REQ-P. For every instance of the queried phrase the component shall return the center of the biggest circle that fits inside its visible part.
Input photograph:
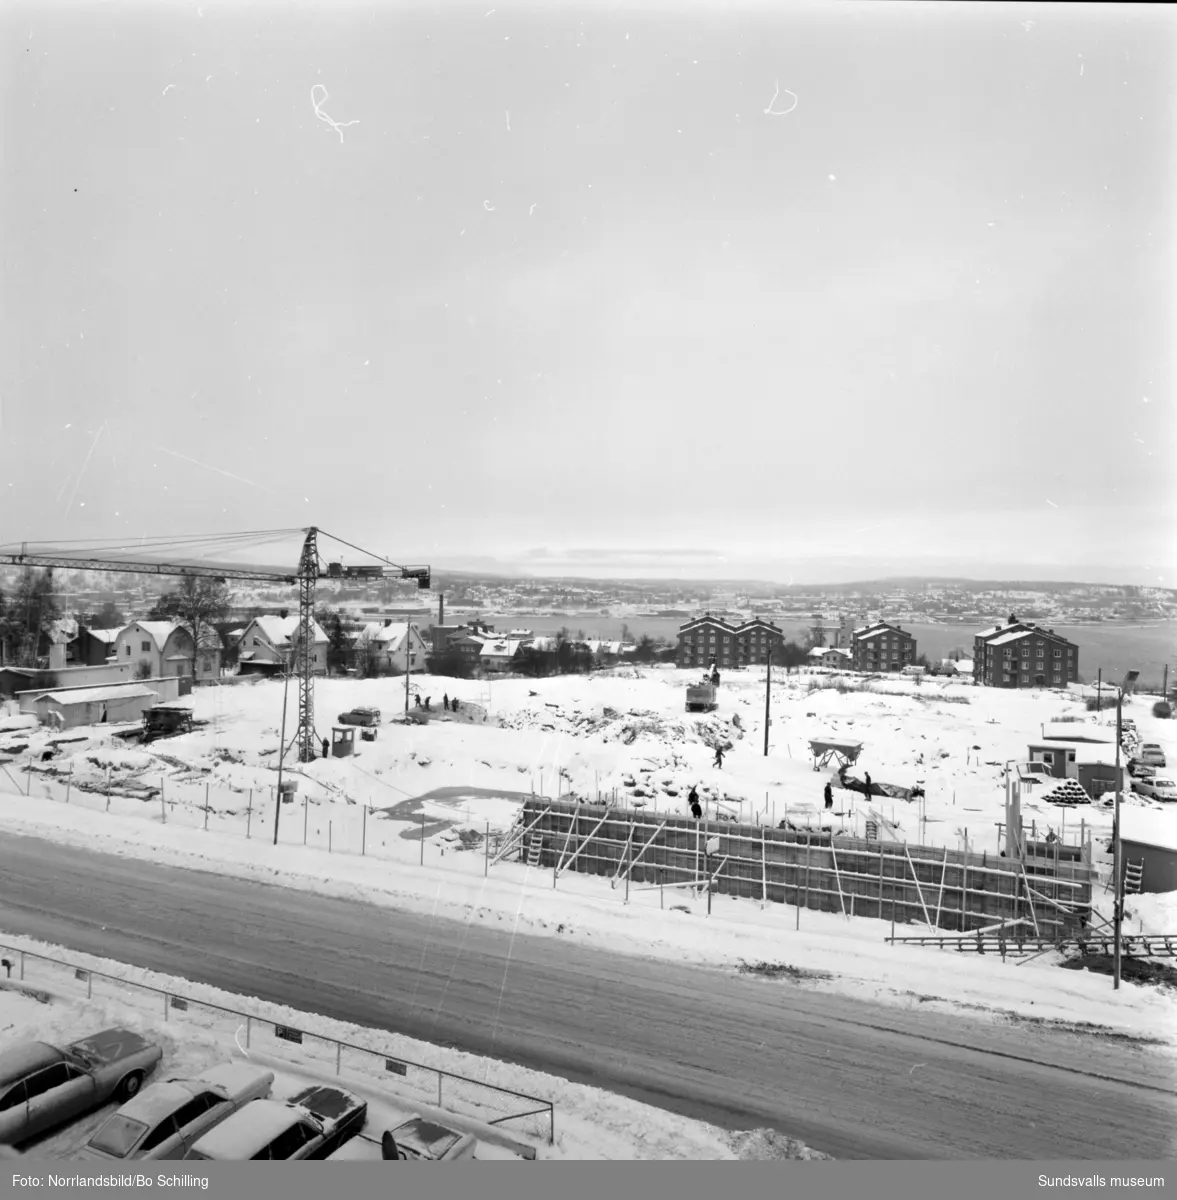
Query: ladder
(1133, 877)
(533, 853)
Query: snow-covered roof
(110, 636)
(278, 630)
(543, 643)
(90, 695)
(1079, 731)
(158, 631)
(379, 634)
(1010, 637)
(1149, 827)
(502, 648)
(600, 647)
(985, 633)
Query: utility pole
(1165, 684)
(281, 754)
(408, 626)
(1099, 691)
(767, 700)
(1118, 911)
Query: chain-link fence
(485, 1102)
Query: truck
(701, 697)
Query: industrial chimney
(441, 608)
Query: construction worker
(696, 808)
(829, 793)
(718, 757)
(326, 747)
(416, 701)
(445, 702)
(867, 784)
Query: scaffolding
(810, 868)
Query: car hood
(110, 1046)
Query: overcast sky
(551, 287)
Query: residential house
(731, 645)
(165, 648)
(92, 647)
(604, 653)
(882, 646)
(469, 646)
(1020, 654)
(831, 656)
(387, 648)
(499, 654)
(266, 646)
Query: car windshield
(119, 1136)
(1164, 783)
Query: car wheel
(129, 1086)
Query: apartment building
(730, 644)
(882, 646)
(1021, 654)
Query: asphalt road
(851, 1078)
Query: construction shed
(93, 706)
(1149, 836)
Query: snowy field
(590, 1124)
(622, 733)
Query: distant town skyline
(775, 294)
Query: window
(13, 1097)
(196, 1108)
(45, 1081)
(160, 1134)
(1056, 678)
(1041, 653)
(127, 648)
(289, 1142)
(1048, 757)
(144, 647)
(1058, 654)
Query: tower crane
(306, 576)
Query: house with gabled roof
(159, 648)
(267, 645)
(388, 647)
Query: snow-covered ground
(590, 1124)
(620, 733)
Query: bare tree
(195, 605)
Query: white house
(267, 642)
(498, 655)
(165, 648)
(385, 646)
(831, 656)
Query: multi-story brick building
(731, 645)
(882, 646)
(1021, 654)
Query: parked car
(42, 1086)
(427, 1140)
(1155, 789)
(363, 715)
(164, 1120)
(311, 1124)
(1152, 754)
(1140, 770)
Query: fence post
(486, 852)
(763, 869)
(108, 789)
(22, 964)
(249, 813)
(328, 837)
(364, 832)
(165, 1006)
(163, 807)
(338, 1055)
(661, 890)
(248, 1029)
(206, 806)
(89, 985)
(422, 837)
(439, 1078)
(306, 808)
(70, 780)
(29, 777)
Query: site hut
(882, 646)
(1149, 839)
(731, 645)
(1020, 654)
(1092, 764)
(833, 657)
(266, 646)
(500, 654)
(91, 706)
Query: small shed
(92, 706)
(1150, 836)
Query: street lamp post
(1118, 911)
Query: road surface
(851, 1078)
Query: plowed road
(855, 1079)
